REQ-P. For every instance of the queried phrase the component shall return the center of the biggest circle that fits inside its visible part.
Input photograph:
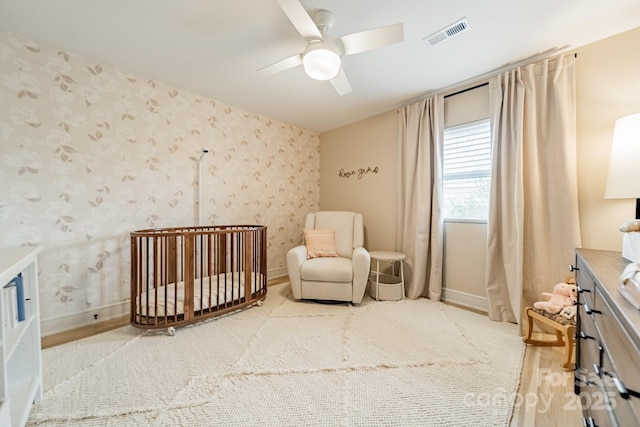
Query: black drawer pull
(583, 336)
(590, 310)
(596, 369)
(581, 290)
(623, 391)
(599, 371)
(573, 268)
(588, 422)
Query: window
(467, 171)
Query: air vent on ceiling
(447, 32)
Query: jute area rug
(292, 363)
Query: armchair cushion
(320, 243)
(327, 270)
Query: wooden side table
(384, 286)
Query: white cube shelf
(20, 355)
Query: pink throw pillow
(320, 243)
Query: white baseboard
(55, 325)
(69, 322)
(277, 272)
(465, 299)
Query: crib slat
(248, 256)
(135, 270)
(189, 267)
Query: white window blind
(467, 171)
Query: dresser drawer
(619, 361)
(586, 285)
(625, 413)
(594, 407)
(588, 340)
(621, 350)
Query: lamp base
(631, 246)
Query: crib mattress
(208, 292)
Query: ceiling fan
(322, 58)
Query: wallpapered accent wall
(90, 153)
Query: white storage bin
(387, 288)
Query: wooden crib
(184, 275)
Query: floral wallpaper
(89, 153)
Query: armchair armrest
(295, 257)
(361, 265)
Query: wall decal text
(359, 172)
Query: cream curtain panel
(419, 226)
(533, 225)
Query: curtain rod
(550, 54)
(467, 89)
(494, 73)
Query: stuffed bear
(569, 312)
(564, 295)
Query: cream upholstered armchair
(332, 264)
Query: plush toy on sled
(558, 311)
(563, 295)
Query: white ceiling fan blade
(372, 39)
(285, 64)
(341, 83)
(300, 19)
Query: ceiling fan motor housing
(324, 20)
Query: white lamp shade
(623, 181)
(320, 62)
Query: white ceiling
(214, 47)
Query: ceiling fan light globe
(321, 63)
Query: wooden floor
(545, 396)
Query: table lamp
(623, 181)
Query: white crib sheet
(174, 300)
